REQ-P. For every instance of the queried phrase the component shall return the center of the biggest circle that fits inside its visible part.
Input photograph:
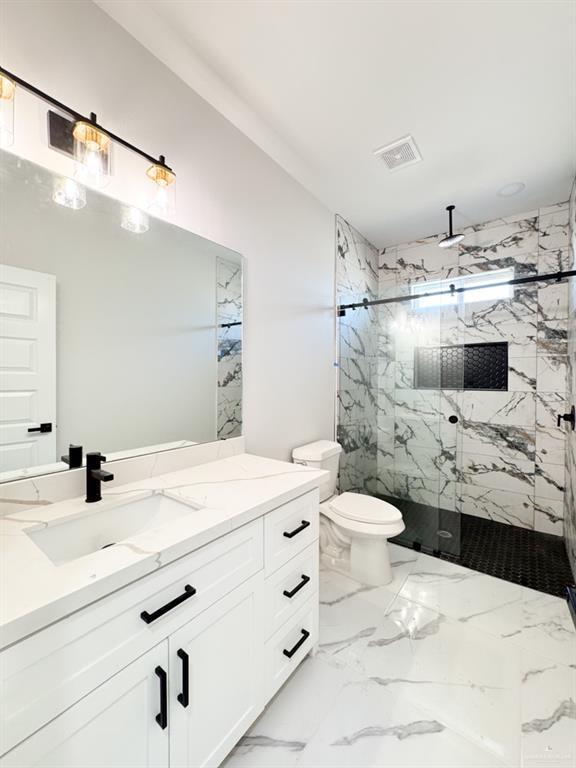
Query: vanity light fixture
(451, 239)
(92, 149)
(69, 193)
(7, 93)
(162, 197)
(134, 220)
(92, 144)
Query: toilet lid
(365, 509)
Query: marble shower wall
(504, 459)
(570, 495)
(229, 310)
(357, 278)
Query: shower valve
(569, 417)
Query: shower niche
(481, 366)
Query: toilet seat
(365, 509)
(364, 515)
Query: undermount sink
(87, 532)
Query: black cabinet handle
(150, 617)
(292, 651)
(46, 427)
(290, 534)
(298, 587)
(184, 697)
(162, 716)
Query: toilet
(355, 528)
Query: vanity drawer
(291, 643)
(47, 672)
(290, 529)
(288, 588)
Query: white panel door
(27, 367)
(115, 726)
(216, 677)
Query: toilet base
(370, 560)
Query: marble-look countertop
(34, 592)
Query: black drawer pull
(150, 617)
(290, 534)
(184, 697)
(162, 716)
(292, 651)
(298, 587)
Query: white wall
(228, 191)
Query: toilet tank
(323, 454)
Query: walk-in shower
(452, 375)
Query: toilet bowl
(355, 528)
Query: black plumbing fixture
(95, 475)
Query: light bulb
(92, 150)
(161, 191)
(7, 93)
(134, 220)
(69, 193)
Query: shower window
(489, 288)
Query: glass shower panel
(426, 414)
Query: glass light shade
(134, 220)
(161, 193)
(7, 93)
(69, 193)
(92, 151)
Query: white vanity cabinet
(114, 726)
(172, 669)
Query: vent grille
(399, 154)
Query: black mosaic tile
(530, 558)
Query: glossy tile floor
(443, 667)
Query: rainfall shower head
(451, 238)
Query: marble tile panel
(509, 408)
(555, 260)
(553, 301)
(489, 244)
(522, 374)
(551, 445)
(502, 506)
(551, 376)
(501, 441)
(514, 475)
(549, 480)
(423, 490)
(549, 516)
(552, 337)
(553, 230)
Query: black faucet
(95, 476)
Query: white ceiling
(487, 89)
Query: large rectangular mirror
(118, 341)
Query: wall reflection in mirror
(118, 331)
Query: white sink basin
(84, 533)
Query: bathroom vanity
(151, 628)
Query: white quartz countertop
(34, 592)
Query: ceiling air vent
(399, 153)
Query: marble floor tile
(280, 735)
(442, 667)
(548, 713)
(370, 726)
